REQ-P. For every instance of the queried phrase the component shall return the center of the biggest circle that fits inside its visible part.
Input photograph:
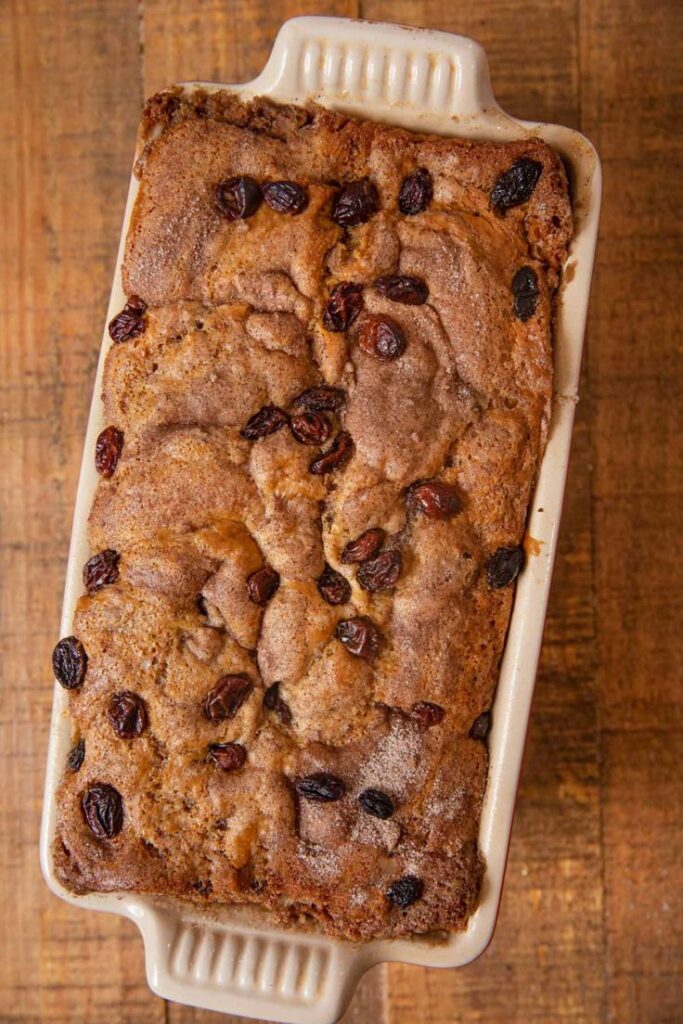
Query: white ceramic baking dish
(240, 962)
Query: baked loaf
(325, 404)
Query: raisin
(335, 456)
(238, 198)
(504, 566)
(355, 203)
(426, 713)
(380, 573)
(266, 421)
(262, 584)
(321, 787)
(436, 499)
(480, 726)
(334, 588)
(285, 196)
(108, 451)
(320, 399)
(311, 427)
(376, 803)
(359, 636)
(525, 291)
(405, 891)
(416, 192)
(75, 756)
(343, 306)
(381, 337)
(102, 808)
(411, 291)
(101, 570)
(516, 185)
(273, 701)
(127, 714)
(130, 322)
(363, 547)
(69, 662)
(227, 697)
(228, 756)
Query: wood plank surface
(591, 924)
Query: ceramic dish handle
(288, 978)
(392, 68)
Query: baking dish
(237, 961)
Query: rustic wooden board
(591, 924)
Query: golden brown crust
(235, 323)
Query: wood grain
(591, 925)
(631, 97)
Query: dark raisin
(355, 203)
(343, 306)
(516, 185)
(335, 456)
(108, 451)
(426, 713)
(311, 427)
(334, 588)
(266, 421)
(103, 810)
(130, 322)
(262, 584)
(238, 198)
(75, 756)
(228, 756)
(526, 293)
(411, 291)
(363, 547)
(227, 697)
(380, 573)
(504, 566)
(273, 701)
(416, 192)
(127, 714)
(69, 662)
(381, 337)
(320, 399)
(359, 636)
(202, 886)
(101, 570)
(321, 787)
(376, 803)
(480, 726)
(285, 196)
(405, 891)
(434, 498)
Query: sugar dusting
(398, 763)
(447, 807)
(322, 863)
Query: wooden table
(591, 927)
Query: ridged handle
(240, 970)
(390, 67)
